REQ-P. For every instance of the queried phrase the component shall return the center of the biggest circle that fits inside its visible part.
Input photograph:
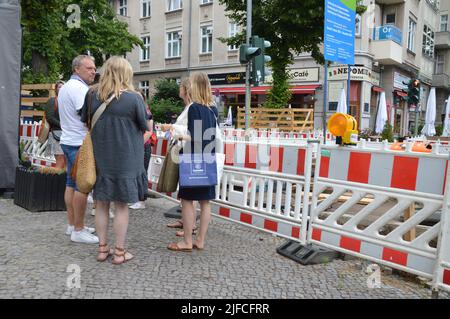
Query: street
(238, 262)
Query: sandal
(194, 245)
(108, 252)
(177, 224)
(121, 252)
(175, 247)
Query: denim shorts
(70, 152)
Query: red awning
(377, 89)
(401, 93)
(300, 89)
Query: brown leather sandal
(108, 252)
(121, 252)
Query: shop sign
(358, 73)
(304, 75)
(227, 78)
(398, 81)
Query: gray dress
(118, 143)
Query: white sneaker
(138, 205)
(70, 229)
(90, 199)
(83, 236)
(93, 212)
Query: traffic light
(414, 92)
(259, 71)
(247, 53)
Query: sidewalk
(238, 262)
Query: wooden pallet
(27, 89)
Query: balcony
(441, 80)
(442, 40)
(386, 45)
(389, 1)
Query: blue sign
(388, 32)
(339, 31)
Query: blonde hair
(201, 89)
(117, 75)
(186, 85)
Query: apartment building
(442, 70)
(395, 42)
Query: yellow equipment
(344, 126)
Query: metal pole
(247, 69)
(348, 90)
(416, 120)
(325, 86)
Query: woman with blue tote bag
(202, 121)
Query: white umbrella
(382, 115)
(430, 115)
(229, 120)
(342, 105)
(446, 131)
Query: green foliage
(439, 130)
(387, 133)
(166, 89)
(162, 109)
(291, 28)
(49, 45)
(280, 95)
(166, 101)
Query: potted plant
(39, 189)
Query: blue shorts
(70, 152)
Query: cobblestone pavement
(238, 262)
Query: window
(411, 34)
(440, 62)
(206, 33)
(428, 41)
(145, 53)
(122, 10)
(205, 1)
(174, 5)
(145, 8)
(444, 22)
(358, 25)
(174, 44)
(145, 87)
(390, 18)
(233, 29)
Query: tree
(50, 42)
(290, 27)
(166, 102)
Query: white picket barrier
(34, 150)
(391, 182)
(258, 185)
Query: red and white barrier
(395, 182)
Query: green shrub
(166, 89)
(387, 133)
(163, 109)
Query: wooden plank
(38, 86)
(31, 113)
(34, 100)
(409, 212)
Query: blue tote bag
(198, 170)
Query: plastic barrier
(258, 186)
(392, 183)
(32, 148)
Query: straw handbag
(84, 170)
(44, 129)
(168, 177)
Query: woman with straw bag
(117, 140)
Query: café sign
(227, 78)
(358, 73)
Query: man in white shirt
(70, 100)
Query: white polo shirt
(70, 100)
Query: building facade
(396, 41)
